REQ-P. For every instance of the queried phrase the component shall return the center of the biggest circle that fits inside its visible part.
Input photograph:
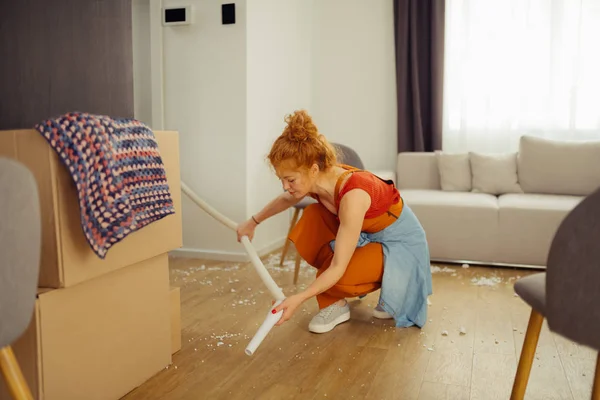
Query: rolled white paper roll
(268, 324)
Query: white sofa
(498, 209)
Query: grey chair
(568, 293)
(20, 248)
(347, 156)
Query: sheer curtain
(515, 67)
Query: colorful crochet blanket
(118, 171)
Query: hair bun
(301, 145)
(300, 126)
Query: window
(515, 67)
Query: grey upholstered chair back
(573, 275)
(348, 156)
(20, 247)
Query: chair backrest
(348, 156)
(573, 275)
(20, 248)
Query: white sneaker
(329, 317)
(379, 313)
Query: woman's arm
(277, 205)
(353, 208)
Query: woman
(360, 235)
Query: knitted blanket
(118, 172)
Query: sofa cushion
(417, 170)
(455, 171)
(558, 167)
(495, 173)
(527, 224)
(458, 225)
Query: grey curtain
(419, 39)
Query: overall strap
(349, 170)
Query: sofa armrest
(417, 170)
(385, 174)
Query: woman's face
(296, 181)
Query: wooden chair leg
(596, 387)
(527, 354)
(287, 242)
(15, 381)
(297, 268)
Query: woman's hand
(289, 306)
(246, 229)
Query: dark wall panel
(64, 55)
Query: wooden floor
(224, 303)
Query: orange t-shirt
(386, 202)
(383, 195)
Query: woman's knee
(373, 276)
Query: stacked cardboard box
(101, 327)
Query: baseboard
(186, 252)
(484, 264)
(241, 256)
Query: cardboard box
(99, 339)
(175, 320)
(67, 257)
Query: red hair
(302, 144)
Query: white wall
(354, 78)
(205, 100)
(227, 88)
(278, 82)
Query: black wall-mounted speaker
(228, 13)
